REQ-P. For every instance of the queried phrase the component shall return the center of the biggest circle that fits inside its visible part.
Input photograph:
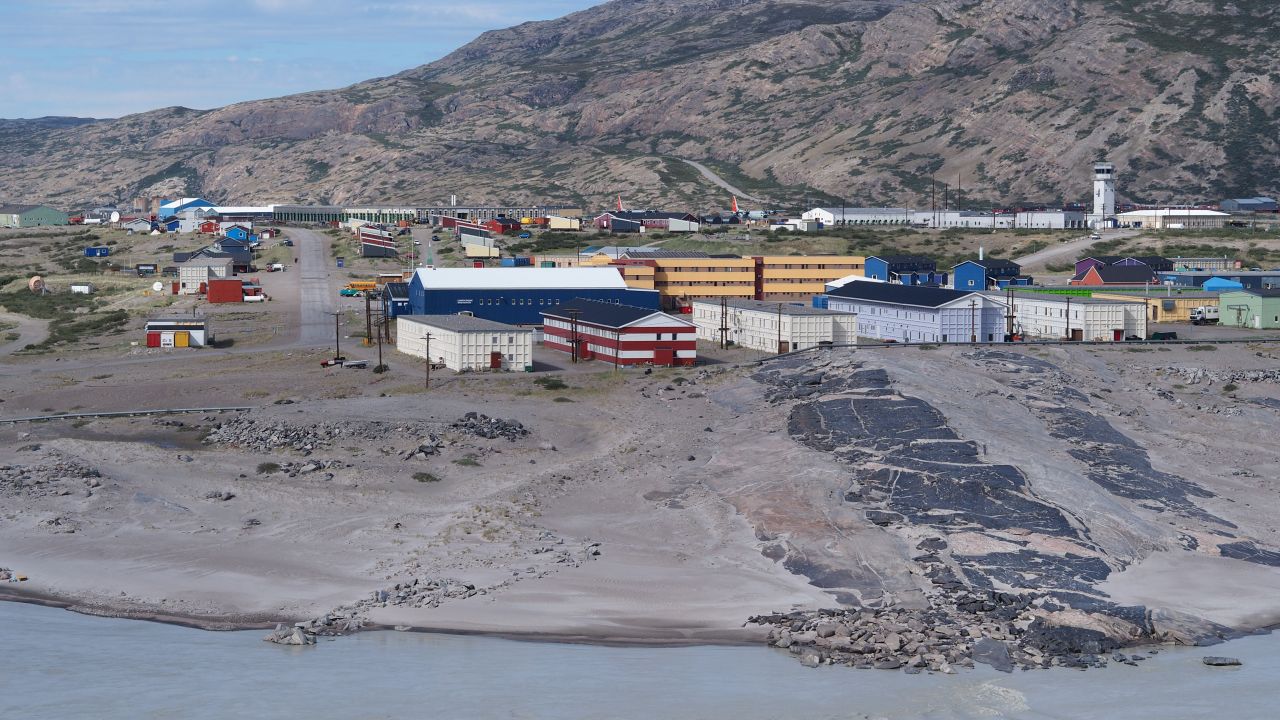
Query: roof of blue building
(992, 263)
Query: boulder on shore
(1217, 661)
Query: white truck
(1204, 315)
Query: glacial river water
(56, 664)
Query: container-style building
(1251, 308)
(620, 334)
(178, 331)
(395, 299)
(1066, 317)
(906, 313)
(518, 296)
(465, 343)
(1174, 219)
(772, 326)
(1116, 275)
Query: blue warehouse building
(988, 274)
(1249, 280)
(904, 270)
(517, 296)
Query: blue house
(516, 295)
(171, 225)
(173, 207)
(904, 270)
(988, 274)
(237, 232)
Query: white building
(194, 274)
(755, 324)
(910, 313)
(1174, 219)
(1056, 317)
(465, 343)
(858, 216)
(1051, 220)
(802, 225)
(943, 219)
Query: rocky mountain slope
(793, 100)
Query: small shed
(82, 288)
(465, 343)
(225, 290)
(1257, 309)
(178, 331)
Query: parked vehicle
(333, 361)
(1204, 315)
(358, 364)
(525, 235)
(275, 267)
(351, 292)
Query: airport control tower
(1104, 194)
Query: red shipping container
(153, 339)
(176, 287)
(225, 291)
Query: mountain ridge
(792, 100)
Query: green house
(22, 216)
(1258, 309)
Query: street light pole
(973, 325)
(427, 384)
(337, 336)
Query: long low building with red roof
(619, 334)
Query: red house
(619, 334)
(1115, 275)
(503, 226)
(209, 227)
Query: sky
(109, 58)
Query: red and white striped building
(376, 241)
(620, 334)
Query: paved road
(30, 330)
(708, 174)
(1070, 250)
(316, 296)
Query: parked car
(525, 235)
(275, 267)
(358, 364)
(333, 361)
(348, 292)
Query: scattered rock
(1219, 661)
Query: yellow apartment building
(800, 277)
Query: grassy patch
(267, 468)
(425, 477)
(562, 399)
(550, 383)
(469, 460)
(1230, 387)
(1202, 348)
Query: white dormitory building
(465, 343)
(1174, 219)
(1057, 317)
(772, 326)
(943, 219)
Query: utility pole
(337, 336)
(573, 333)
(1068, 314)
(368, 321)
(1009, 314)
(780, 328)
(724, 322)
(427, 384)
(973, 321)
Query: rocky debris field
(63, 476)
(305, 633)
(1012, 577)
(490, 428)
(5, 574)
(264, 435)
(1211, 376)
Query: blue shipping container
(97, 251)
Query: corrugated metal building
(517, 296)
(904, 313)
(1250, 280)
(620, 334)
(194, 274)
(772, 326)
(21, 216)
(465, 343)
(178, 331)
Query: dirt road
(30, 330)
(315, 326)
(1069, 250)
(714, 178)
